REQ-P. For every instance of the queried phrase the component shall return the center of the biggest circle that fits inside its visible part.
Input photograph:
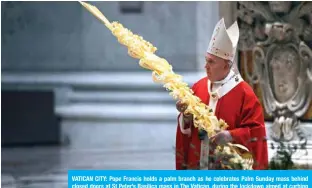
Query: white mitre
(224, 41)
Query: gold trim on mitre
(223, 42)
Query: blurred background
(73, 99)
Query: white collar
(230, 83)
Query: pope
(230, 99)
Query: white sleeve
(181, 123)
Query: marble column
(207, 15)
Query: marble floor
(47, 166)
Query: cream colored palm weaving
(162, 73)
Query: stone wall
(63, 36)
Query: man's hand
(221, 138)
(181, 107)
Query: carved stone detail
(280, 37)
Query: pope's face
(216, 67)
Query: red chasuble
(241, 110)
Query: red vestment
(242, 111)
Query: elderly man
(231, 99)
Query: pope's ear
(226, 64)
